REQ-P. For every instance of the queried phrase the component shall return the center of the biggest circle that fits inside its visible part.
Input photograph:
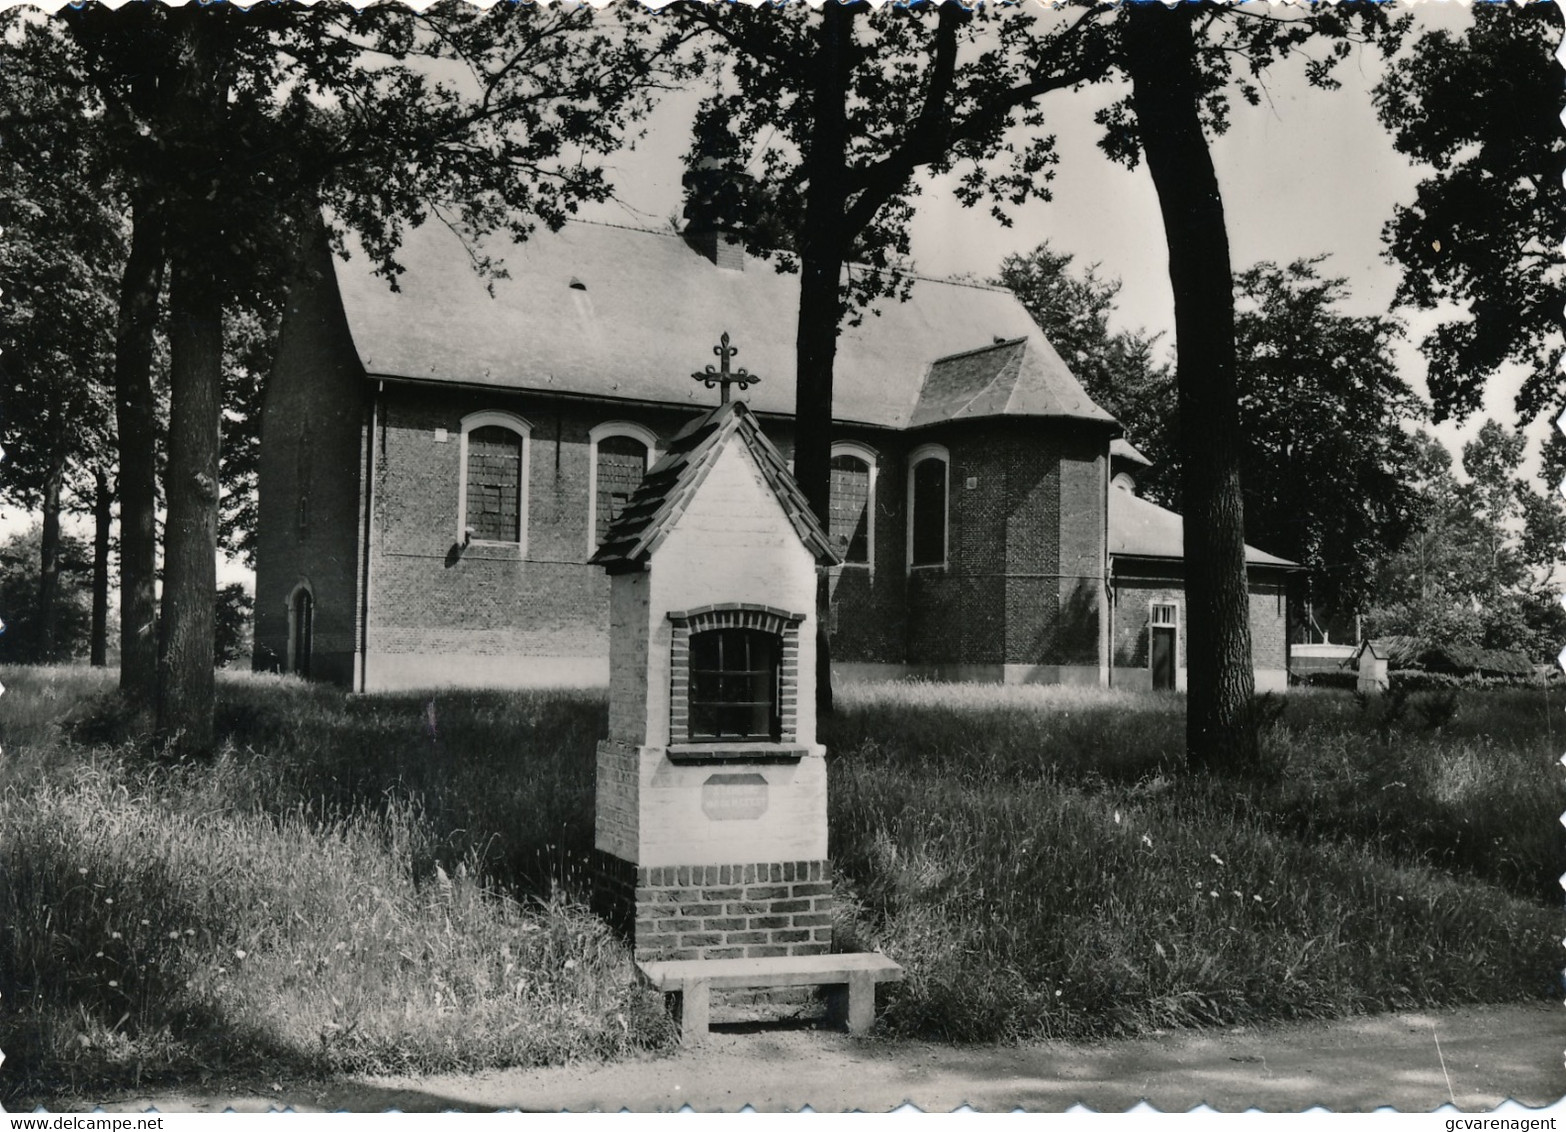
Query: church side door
(1163, 647)
(304, 610)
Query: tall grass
(1041, 868)
(395, 882)
(362, 885)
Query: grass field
(394, 883)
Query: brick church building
(440, 462)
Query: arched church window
(493, 500)
(851, 503)
(927, 506)
(621, 454)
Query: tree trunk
(185, 662)
(136, 419)
(822, 252)
(1161, 60)
(186, 688)
(49, 567)
(102, 519)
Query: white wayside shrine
(711, 827)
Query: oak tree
(235, 128)
(1481, 110)
(837, 109)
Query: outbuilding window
(492, 503)
(927, 509)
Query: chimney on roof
(720, 196)
(715, 199)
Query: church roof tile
(1140, 528)
(625, 314)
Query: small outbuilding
(1148, 610)
(711, 830)
(1371, 660)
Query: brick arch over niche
(779, 623)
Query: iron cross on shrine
(710, 377)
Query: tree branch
(932, 136)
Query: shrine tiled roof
(669, 486)
(619, 313)
(1140, 528)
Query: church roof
(603, 311)
(1122, 449)
(1019, 377)
(1140, 528)
(669, 486)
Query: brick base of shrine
(716, 911)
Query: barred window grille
(1165, 613)
(734, 685)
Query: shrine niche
(711, 828)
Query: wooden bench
(695, 979)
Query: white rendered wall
(734, 543)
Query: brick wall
(1022, 588)
(1269, 618)
(629, 640)
(1134, 595)
(481, 613)
(440, 613)
(719, 911)
(465, 613)
(616, 829)
(1083, 633)
(958, 615)
(311, 468)
(869, 622)
(1139, 584)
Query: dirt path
(1478, 1057)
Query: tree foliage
(231, 129)
(1324, 456)
(1483, 564)
(837, 108)
(64, 241)
(23, 640)
(58, 262)
(1324, 452)
(233, 626)
(1482, 111)
(931, 88)
(1181, 62)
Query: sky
(1304, 173)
